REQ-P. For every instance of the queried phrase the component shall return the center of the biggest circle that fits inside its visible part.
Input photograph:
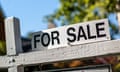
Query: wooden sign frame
(15, 60)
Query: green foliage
(117, 67)
(2, 48)
(74, 11)
(29, 35)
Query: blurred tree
(117, 67)
(29, 35)
(2, 33)
(74, 11)
(2, 30)
(2, 48)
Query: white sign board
(80, 33)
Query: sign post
(13, 42)
(79, 41)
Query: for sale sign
(80, 33)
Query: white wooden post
(13, 39)
(16, 69)
(13, 42)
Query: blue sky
(30, 12)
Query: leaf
(2, 48)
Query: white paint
(63, 35)
(83, 51)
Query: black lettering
(89, 34)
(81, 30)
(55, 37)
(43, 41)
(71, 34)
(100, 29)
(36, 40)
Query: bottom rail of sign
(89, 68)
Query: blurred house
(51, 25)
(26, 44)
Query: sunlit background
(31, 13)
